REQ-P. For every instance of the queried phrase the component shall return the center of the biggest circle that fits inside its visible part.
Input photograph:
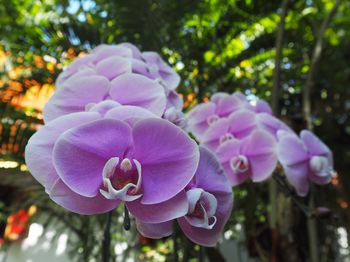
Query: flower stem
(312, 230)
(126, 222)
(176, 248)
(201, 254)
(106, 242)
(281, 181)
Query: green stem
(312, 231)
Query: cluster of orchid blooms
(249, 141)
(114, 132)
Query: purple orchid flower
(161, 70)
(238, 125)
(210, 204)
(118, 72)
(252, 157)
(176, 117)
(305, 159)
(114, 60)
(204, 115)
(271, 124)
(100, 61)
(173, 111)
(127, 89)
(90, 161)
(261, 106)
(221, 106)
(258, 106)
(174, 100)
(151, 65)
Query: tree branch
(312, 227)
(278, 58)
(314, 63)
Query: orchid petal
(155, 231)
(38, 152)
(137, 90)
(290, 149)
(157, 213)
(65, 197)
(74, 94)
(130, 114)
(169, 158)
(80, 154)
(113, 67)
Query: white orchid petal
(139, 173)
(193, 196)
(89, 106)
(121, 194)
(129, 191)
(239, 164)
(210, 203)
(320, 166)
(207, 202)
(126, 165)
(110, 166)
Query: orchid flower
(116, 72)
(205, 115)
(253, 157)
(305, 159)
(238, 125)
(91, 161)
(210, 203)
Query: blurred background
(290, 53)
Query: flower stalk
(106, 242)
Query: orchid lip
(212, 119)
(226, 137)
(89, 106)
(152, 68)
(202, 208)
(239, 164)
(122, 181)
(319, 166)
(175, 116)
